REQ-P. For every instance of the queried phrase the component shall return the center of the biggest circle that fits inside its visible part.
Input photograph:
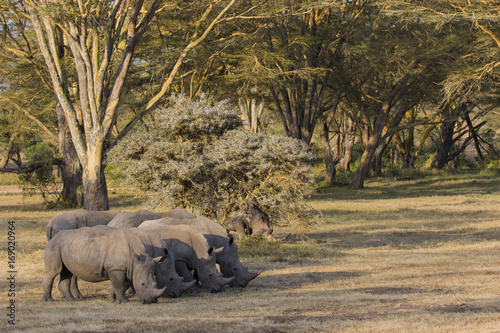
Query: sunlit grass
(412, 255)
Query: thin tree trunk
(349, 145)
(327, 151)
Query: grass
(417, 255)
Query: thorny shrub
(194, 155)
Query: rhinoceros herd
(152, 254)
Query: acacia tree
(29, 93)
(471, 78)
(102, 37)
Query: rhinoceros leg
(64, 284)
(74, 288)
(185, 272)
(117, 279)
(48, 281)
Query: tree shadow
(414, 188)
(289, 281)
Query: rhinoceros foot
(78, 296)
(121, 300)
(47, 299)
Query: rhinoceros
(166, 275)
(218, 237)
(256, 224)
(133, 219)
(192, 253)
(99, 254)
(77, 219)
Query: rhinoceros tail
(49, 231)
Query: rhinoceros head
(231, 266)
(143, 268)
(167, 276)
(258, 222)
(210, 278)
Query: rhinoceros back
(77, 219)
(134, 219)
(186, 241)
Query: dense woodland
(366, 85)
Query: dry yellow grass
(415, 256)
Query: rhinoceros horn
(158, 292)
(187, 285)
(225, 281)
(254, 275)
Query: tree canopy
(377, 81)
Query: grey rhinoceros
(79, 218)
(99, 254)
(192, 253)
(133, 219)
(165, 273)
(256, 224)
(218, 237)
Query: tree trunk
(348, 145)
(399, 88)
(327, 151)
(447, 129)
(71, 171)
(95, 192)
(377, 159)
(251, 112)
(359, 177)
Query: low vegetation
(419, 254)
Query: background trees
(362, 83)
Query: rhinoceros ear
(219, 250)
(160, 259)
(139, 257)
(168, 250)
(212, 249)
(231, 239)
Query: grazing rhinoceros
(256, 224)
(79, 218)
(99, 254)
(133, 219)
(166, 275)
(218, 237)
(191, 252)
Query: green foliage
(193, 155)
(41, 181)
